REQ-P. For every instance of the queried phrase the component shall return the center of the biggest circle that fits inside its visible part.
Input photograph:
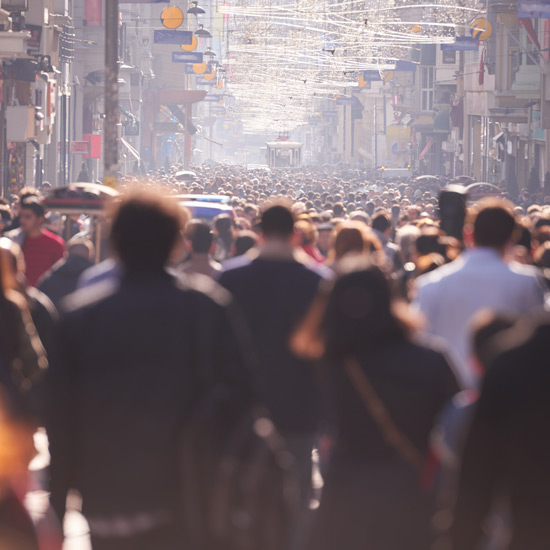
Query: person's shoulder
(439, 275)
(523, 272)
(203, 286)
(42, 301)
(52, 237)
(232, 264)
(84, 299)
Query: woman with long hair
(22, 364)
(387, 391)
(352, 238)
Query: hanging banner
(166, 36)
(533, 8)
(93, 14)
(186, 57)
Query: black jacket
(274, 295)
(508, 449)
(132, 362)
(62, 278)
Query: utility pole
(110, 132)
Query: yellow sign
(362, 82)
(210, 76)
(199, 68)
(110, 181)
(481, 29)
(387, 76)
(416, 29)
(191, 47)
(171, 17)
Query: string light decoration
(286, 58)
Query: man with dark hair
(382, 226)
(275, 290)
(41, 248)
(199, 239)
(128, 373)
(450, 296)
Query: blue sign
(201, 81)
(371, 76)
(401, 65)
(186, 57)
(533, 8)
(462, 44)
(181, 38)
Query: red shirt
(41, 253)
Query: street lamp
(201, 32)
(195, 10)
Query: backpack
(239, 490)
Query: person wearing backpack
(387, 391)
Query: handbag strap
(393, 436)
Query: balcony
(13, 44)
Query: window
(449, 57)
(427, 88)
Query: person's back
(274, 291)
(127, 378)
(507, 450)
(450, 296)
(62, 279)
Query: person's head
(352, 237)
(485, 326)
(491, 224)
(245, 241)
(405, 240)
(198, 237)
(145, 230)
(5, 217)
(323, 240)
(15, 259)
(353, 318)
(381, 222)
(306, 232)
(31, 215)
(54, 222)
(277, 223)
(542, 255)
(82, 248)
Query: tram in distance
(284, 154)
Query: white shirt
(450, 296)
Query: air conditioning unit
(20, 123)
(13, 44)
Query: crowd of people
(332, 316)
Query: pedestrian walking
(132, 364)
(387, 392)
